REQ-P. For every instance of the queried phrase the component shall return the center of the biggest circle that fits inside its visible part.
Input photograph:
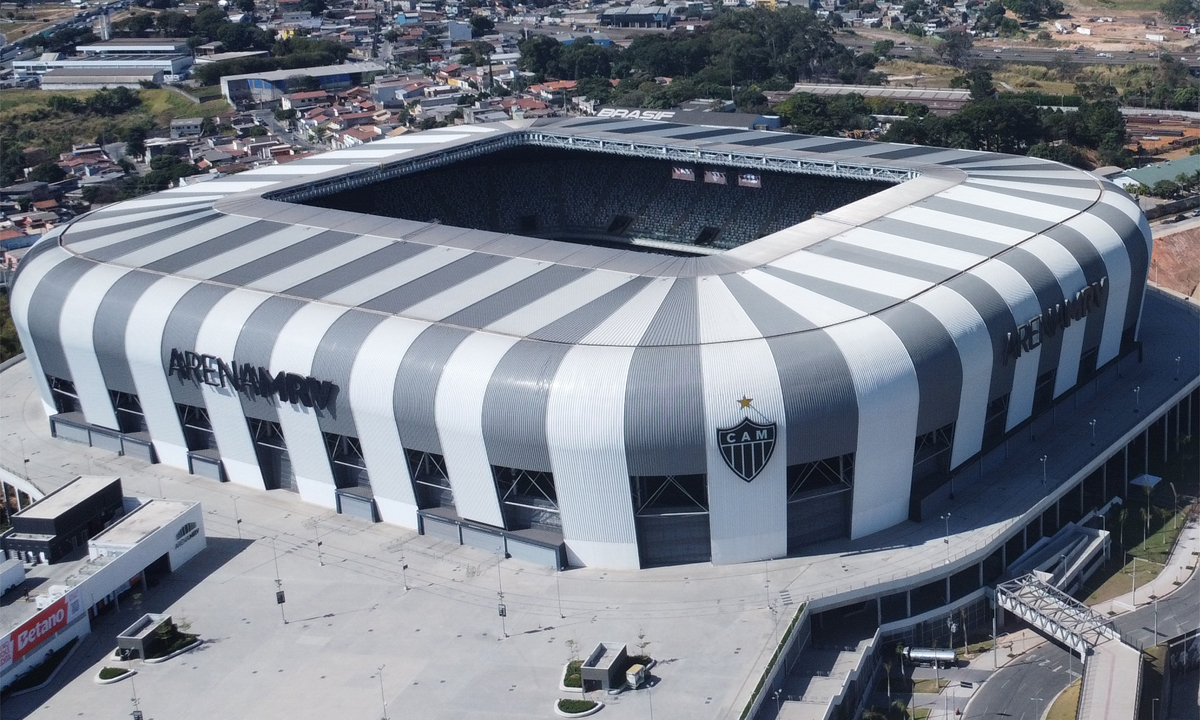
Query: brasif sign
(250, 380)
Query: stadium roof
(950, 213)
(319, 71)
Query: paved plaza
(440, 643)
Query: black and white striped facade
(867, 336)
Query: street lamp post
(1044, 458)
(1177, 358)
(1137, 398)
(1092, 422)
(946, 539)
(382, 696)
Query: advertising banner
(31, 634)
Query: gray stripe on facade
(182, 328)
(677, 319)
(664, 411)
(999, 320)
(71, 236)
(417, 383)
(936, 236)
(1036, 180)
(216, 246)
(974, 157)
(888, 262)
(1139, 256)
(401, 298)
(908, 152)
(255, 345)
(1078, 204)
(770, 316)
(864, 300)
(939, 368)
(575, 326)
(818, 397)
(334, 360)
(514, 405)
(112, 321)
(986, 214)
(45, 314)
(355, 270)
(39, 248)
(666, 382)
(286, 257)
(1049, 293)
(515, 296)
(117, 250)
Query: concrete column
(908, 603)
(1125, 457)
(1104, 482)
(947, 589)
(1146, 451)
(1166, 432)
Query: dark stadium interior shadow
(97, 645)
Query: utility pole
(501, 608)
(280, 598)
(317, 532)
(946, 539)
(382, 696)
(237, 519)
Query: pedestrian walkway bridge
(1112, 669)
(1054, 613)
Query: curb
(175, 654)
(52, 675)
(595, 709)
(113, 681)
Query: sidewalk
(1174, 574)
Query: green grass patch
(929, 685)
(41, 672)
(573, 677)
(574, 707)
(920, 714)
(1117, 576)
(112, 673)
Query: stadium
(599, 342)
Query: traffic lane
(1024, 688)
(1178, 613)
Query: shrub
(573, 677)
(109, 673)
(575, 706)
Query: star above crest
(745, 402)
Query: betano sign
(250, 380)
(38, 629)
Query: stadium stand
(603, 199)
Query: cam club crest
(747, 446)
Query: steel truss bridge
(1055, 613)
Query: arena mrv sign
(1030, 335)
(251, 380)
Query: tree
(1122, 516)
(47, 172)
(245, 5)
(955, 47)
(135, 141)
(481, 25)
(1181, 11)
(882, 48)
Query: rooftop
(143, 521)
(66, 497)
(321, 71)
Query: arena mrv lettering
(251, 380)
(1059, 316)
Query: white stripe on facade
(249, 252)
(459, 412)
(1071, 280)
(184, 240)
(143, 349)
(911, 249)
(814, 307)
(974, 344)
(371, 393)
(295, 347)
(75, 329)
(218, 336)
(747, 521)
(479, 288)
(961, 225)
(885, 383)
(1023, 304)
(33, 272)
(322, 262)
(560, 302)
(1116, 261)
(853, 275)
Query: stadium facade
(606, 342)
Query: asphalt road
(1024, 689)
(1178, 613)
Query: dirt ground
(1176, 260)
(28, 20)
